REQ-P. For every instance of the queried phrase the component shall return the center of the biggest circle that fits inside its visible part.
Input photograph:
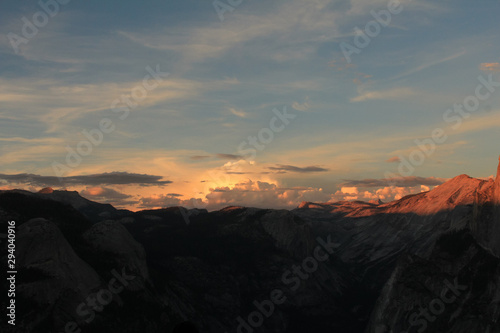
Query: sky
(207, 104)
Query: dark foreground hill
(426, 263)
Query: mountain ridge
(213, 269)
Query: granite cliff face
(455, 289)
(50, 273)
(386, 262)
(114, 246)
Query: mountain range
(429, 262)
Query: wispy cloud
(401, 182)
(33, 140)
(302, 25)
(228, 156)
(291, 168)
(394, 159)
(238, 112)
(390, 94)
(302, 107)
(58, 104)
(429, 64)
(200, 157)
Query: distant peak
(497, 185)
(46, 190)
(464, 176)
(459, 181)
(304, 204)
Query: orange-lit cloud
(490, 67)
(394, 159)
(386, 194)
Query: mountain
(455, 289)
(427, 262)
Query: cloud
(490, 67)
(28, 153)
(260, 194)
(263, 195)
(297, 29)
(111, 178)
(386, 193)
(228, 156)
(429, 64)
(349, 190)
(200, 157)
(480, 122)
(268, 195)
(33, 140)
(391, 94)
(302, 107)
(400, 182)
(159, 201)
(107, 195)
(103, 192)
(238, 112)
(394, 159)
(58, 104)
(291, 168)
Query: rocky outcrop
(376, 202)
(291, 234)
(485, 224)
(456, 290)
(46, 190)
(113, 246)
(53, 279)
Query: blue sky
(226, 78)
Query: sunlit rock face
(46, 190)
